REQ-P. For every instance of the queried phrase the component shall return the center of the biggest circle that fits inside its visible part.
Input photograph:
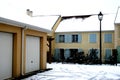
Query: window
(92, 38)
(108, 38)
(74, 38)
(61, 38)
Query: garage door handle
(31, 61)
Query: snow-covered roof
(117, 19)
(22, 25)
(38, 21)
(88, 24)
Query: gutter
(23, 44)
(59, 19)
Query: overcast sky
(62, 7)
(12, 8)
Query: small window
(61, 38)
(74, 38)
(92, 38)
(108, 38)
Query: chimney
(29, 13)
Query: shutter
(57, 38)
(68, 38)
(118, 50)
(98, 53)
(67, 53)
(57, 54)
(107, 54)
(79, 38)
(80, 50)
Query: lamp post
(100, 17)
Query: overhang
(23, 25)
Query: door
(6, 51)
(32, 53)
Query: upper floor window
(68, 38)
(92, 38)
(108, 38)
(74, 38)
(61, 38)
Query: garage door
(6, 46)
(32, 53)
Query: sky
(13, 8)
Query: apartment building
(72, 42)
(67, 42)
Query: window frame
(61, 38)
(107, 38)
(74, 38)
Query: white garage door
(6, 46)
(32, 53)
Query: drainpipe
(22, 63)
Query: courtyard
(78, 72)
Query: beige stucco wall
(17, 47)
(84, 44)
(117, 35)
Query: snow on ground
(78, 72)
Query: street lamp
(100, 17)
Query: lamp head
(100, 16)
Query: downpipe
(23, 46)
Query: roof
(117, 18)
(88, 24)
(86, 31)
(22, 25)
(43, 22)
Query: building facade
(72, 42)
(117, 32)
(117, 39)
(75, 41)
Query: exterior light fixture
(100, 17)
